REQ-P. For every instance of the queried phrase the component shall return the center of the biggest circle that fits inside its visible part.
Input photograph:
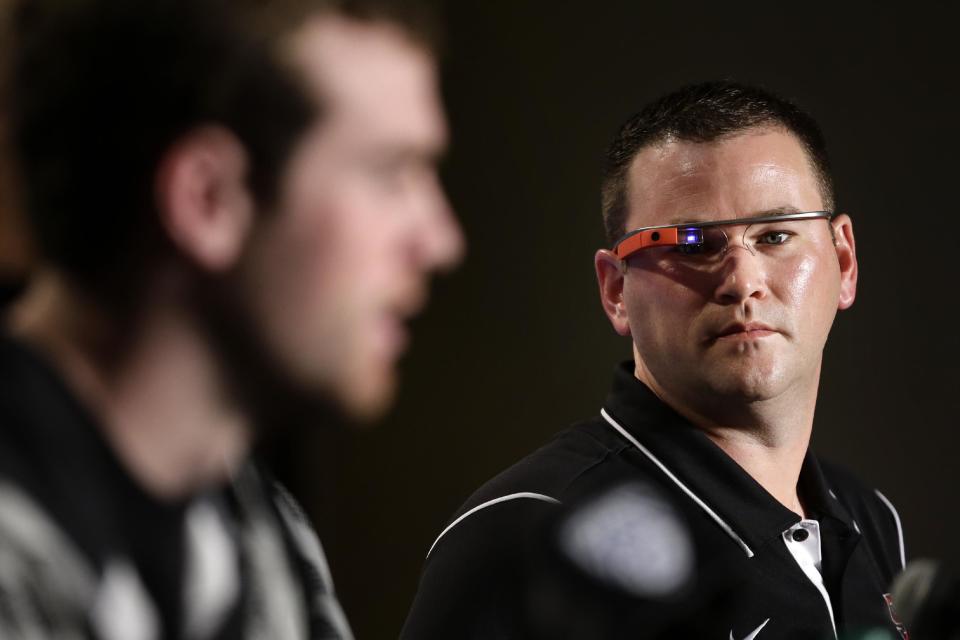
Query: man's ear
(202, 198)
(846, 247)
(610, 274)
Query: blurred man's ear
(846, 247)
(610, 278)
(202, 198)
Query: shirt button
(799, 535)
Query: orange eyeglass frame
(647, 238)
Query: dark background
(515, 346)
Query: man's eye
(774, 237)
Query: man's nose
(439, 241)
(736, 238)
(741, 275)
(447, 244)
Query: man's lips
(396, 316)
(742, 330)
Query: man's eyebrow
(777, 211)
(693, 219)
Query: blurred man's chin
(365, 402)
(285, 388)
(319, 402)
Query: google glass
(706, 239)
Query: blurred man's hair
(96, 91)
(703, 113)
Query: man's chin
(368, 405)
(755, 385)
(283, 391)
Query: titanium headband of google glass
(695, 237)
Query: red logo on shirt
(894, 618)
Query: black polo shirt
(476, 580)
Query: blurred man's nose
(439, 238)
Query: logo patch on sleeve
(888, 598)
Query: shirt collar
(709, 473)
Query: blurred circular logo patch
(631, 538)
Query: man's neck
(159, 396)
(768, 439)
(775, 467)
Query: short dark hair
(703, 113)
(96, 91)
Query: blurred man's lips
(394, 332)
(394, 323)
(394, 316)
(744, 331)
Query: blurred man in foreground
(236, 210)
(726, 268)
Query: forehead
(370, 78)
(746, 174)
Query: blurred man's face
(335, 274)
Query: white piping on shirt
(490, 503)
(855, 525)
(710, 512)
(896, 517)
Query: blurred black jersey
(86, 553)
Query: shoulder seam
(606, 455)
(489, 503)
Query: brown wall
(515, 346)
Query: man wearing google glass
(726, 266)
